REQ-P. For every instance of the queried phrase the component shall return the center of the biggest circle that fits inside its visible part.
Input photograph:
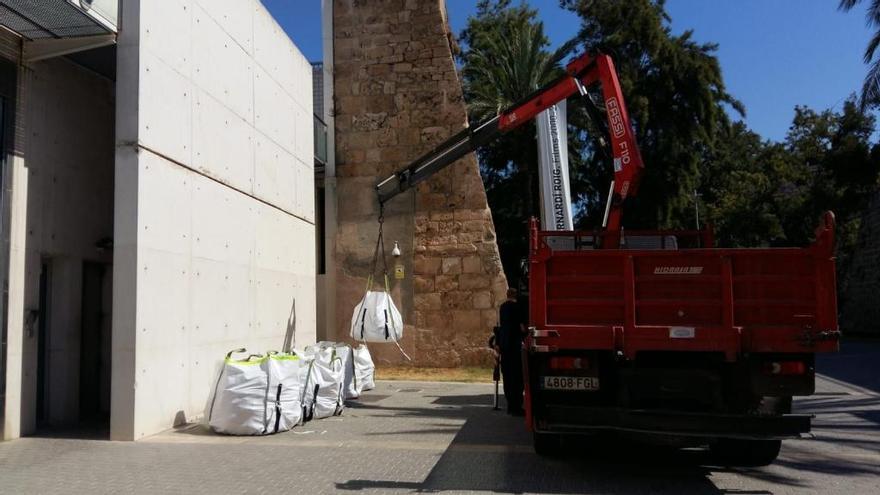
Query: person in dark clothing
(510, 339)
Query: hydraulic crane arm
(581, 73)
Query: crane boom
(581, 73)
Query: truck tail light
(569, 363)
(785, 368)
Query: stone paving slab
(410, 437)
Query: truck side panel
(727, 300)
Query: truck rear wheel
(747, 453)
(546, 445)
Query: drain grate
(372, 398)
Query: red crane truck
(657, 333)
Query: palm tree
(506, 57)
(871, 86)
(502, 65)
(504, 69)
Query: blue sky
(775, 54)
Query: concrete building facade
(395, 94)
(158, 209)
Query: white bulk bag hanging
(285, 390)
(239, 404)
(364, 368)
(376, 318)
(324, 385)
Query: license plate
(570, 383)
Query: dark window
(320, 231)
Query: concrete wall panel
(235, 17)
(220, 66)
(166, 99)
(166, 225)
(214, 308)
(276, 55)
(305, 192)
(276, 112)
(276, 241)
(230, 162)
(164, 281)
(220, 231)
(304, 143)
(273, 183)
(162, 350)
(164, 25)
(229, 246)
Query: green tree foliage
(760, 193)
(676, 99)
(871, 86)
(836, 152)
(739, 188)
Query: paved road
(432, 437)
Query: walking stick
(496, 375)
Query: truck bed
(730, 301)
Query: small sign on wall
(399, 272)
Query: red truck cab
(671, 337)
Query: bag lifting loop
(379, 254)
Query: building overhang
(53, 28)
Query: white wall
(214, 201)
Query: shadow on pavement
(87, 430)
(857, 363)
(492, 452)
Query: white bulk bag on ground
(239, 403)
(324, 395)
(364, 369)
(308, 385)
(285, 392)
(350, 387)
(376, 319)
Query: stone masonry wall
(397, 94)
(861, 309)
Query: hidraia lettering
(678, 270)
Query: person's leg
(509, 384)
(517, 387)
(511, 369)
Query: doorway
(68, 252)
(95, 344)
(40, 317)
